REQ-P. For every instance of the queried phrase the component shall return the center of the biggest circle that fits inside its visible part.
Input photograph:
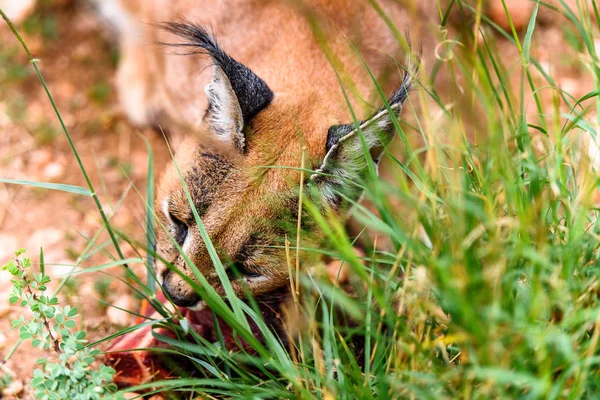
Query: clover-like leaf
(25, 335)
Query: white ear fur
(346, 161)
(224, 113)
(349, 149)
(235, 95)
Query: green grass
(490, 288)
(100, 92)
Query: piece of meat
(135, 367)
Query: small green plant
(51, 327)
(71, 289)
(100, 92)
(45, 133)
(102, 288)
(5, 379)
(16, 109)
(11, 71)
(45, 25)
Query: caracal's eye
(179, 229)
(241, 270)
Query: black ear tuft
(395, 101)
(345, 159)
(252, 93)
(335, 133)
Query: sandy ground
(78, 62)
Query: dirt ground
(78, 61)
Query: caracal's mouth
(241, 281)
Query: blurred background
(78, 57)
(78, 54)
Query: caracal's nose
(181, 295)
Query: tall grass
(489, 288)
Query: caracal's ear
(235, 94)
(346, 162)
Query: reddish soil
(78, 62)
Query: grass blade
(52, 186)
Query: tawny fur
(296, 48)
(272, 38)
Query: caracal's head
(243, 175)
